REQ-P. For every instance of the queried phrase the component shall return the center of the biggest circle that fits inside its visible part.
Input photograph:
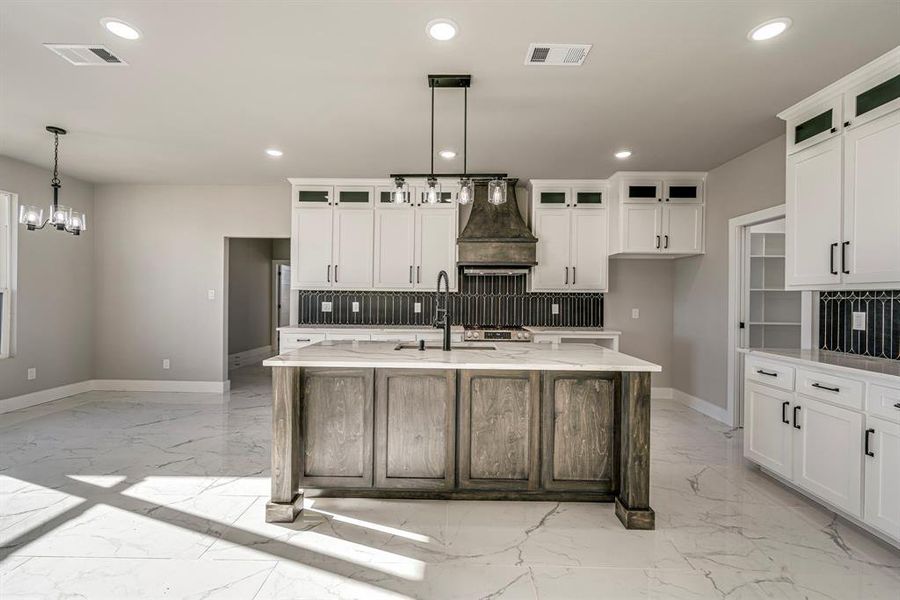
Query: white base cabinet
(883, 475)
(767, 428)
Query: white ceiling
(340, 86)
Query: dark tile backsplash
(882, 335)
(493, 301)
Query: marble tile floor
(144, 495)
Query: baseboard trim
(249, 357)
(702, 406)
(112, 385)
(661, 393)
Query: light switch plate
(166, 363)
(859, 321)
(554, 309)
(32, 373)
(211, 294)
(326, 307)
(417, 307)
(635, 313)
(355, 307)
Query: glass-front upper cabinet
(445, 199)
(353, 196)
(385, 197)
(874, 98)
(313, 195)
(683, 191)
(642, 191)
(589, 197)
(815, 125)
(552, 197)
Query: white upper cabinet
(435, 249)
(352, 249)
(311, 234)
(681, 191)
(313, 196)
(843, 182)
(589, 250)
(682, 229)
(354, 196)
(552, 229)
(871, 241)
(394, 249)
(552, 196)
(641, 228)
(813, 216)
(642, 190)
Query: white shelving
(774, 313)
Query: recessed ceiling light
(441, 29)
(120, 28)
(274, 152)
(447, 154)
(769, 29)
(623, 154)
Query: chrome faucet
(442, 314)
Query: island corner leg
(287, 500)
(633, 500)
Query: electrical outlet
(417, 307)
(165, 363)
(355, 307)
(211, 294)
(635, 313)
(554, 309)
(32, 373)
(859, 321)
(326, 307)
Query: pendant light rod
(465, 123)
(432, 130)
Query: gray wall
(746, 184)
(249, 293)
(54, 320)
(151, 298)
(647, 286)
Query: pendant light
(466, 191)
(61, 217)
(497, 191)
(400, 194)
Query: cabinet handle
(667, 238)
(867, 450)
(418, 273)
(831, 258)
(769, 373)
(667, 199)
(846, 123)
(329, 274)
(657, 242)
(796, 409)
(335, 273)
(897, 406)
(410, 273)
(844, 258)
(834, 130)
(573, 275)
(567, 275)
(784, 418)
(825, 387)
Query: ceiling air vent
(87, 55)
(565, 55)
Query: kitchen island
(508, 421)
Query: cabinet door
(394, 248)
(641, 228)
(336, 411)
(499, 429)
(642, 191)
(883, 476)
(767, 429)
(816, 125)
(682, 229)
(579, 431)
(813, 215)
(311, 248)
(874, 98)
(872, 202)
(590, 254)
(589, 197)
(354, 196)
(683, 191)
(553, 197)
(552, 228)
(313, 196)
(435, 247)
(415, 426)
(353, 248)
(828, 453)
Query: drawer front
(769, 372)
(830, 388)
(884, 402)
(359, 337)
(292, 341)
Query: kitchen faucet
(442, 315)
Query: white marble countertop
(364, 328)
(840, 361)
(478, 355)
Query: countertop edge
(850, 370)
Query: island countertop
(478, 355)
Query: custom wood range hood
(496, 234)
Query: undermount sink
(435, 346)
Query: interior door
(552, 228)
(642, 228)
(871, 244)
(353, 248)
(395, 248)
(311, 248)
(590, 254)
(813, 215)
(435, 247)
(828, 453)
(767, 435)
(682, 229)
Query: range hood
(496, 235)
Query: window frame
(8, 288)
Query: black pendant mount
(449, 81)
(56, 130)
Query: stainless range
(496, 334)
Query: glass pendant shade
(31, 216)
(77, 222)
(59, 216)
(401, 191)
(497, 191)
(433, 191)
(466, 191)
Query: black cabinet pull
(796, 425)
(846, 123)
(657, 242)
(784, 418)
(567, 275)
(769, 373)
(867, 450)
(335, 273)
(573, 275)
(897, 405)
(825, 387)
(410, 273)
(834, 130)
(329, 274)
(844, 258)
(418, 273)
(831, 258)
(667, 238)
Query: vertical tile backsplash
(491, 301)
(882, 335)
